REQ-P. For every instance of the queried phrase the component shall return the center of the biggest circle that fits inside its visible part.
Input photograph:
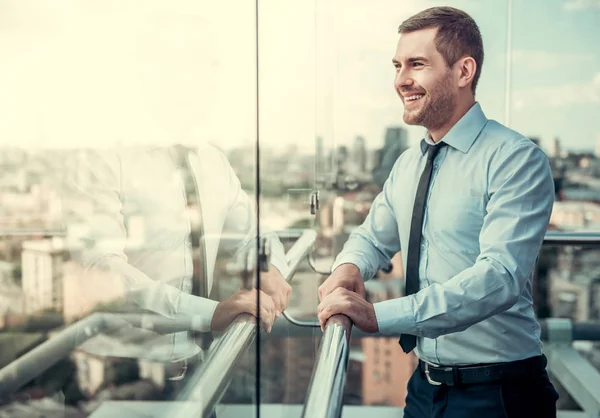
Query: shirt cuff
(282, 266)
(199, 310)
(396, 316)
(351, 259)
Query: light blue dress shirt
(489, 204)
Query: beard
(438, 106)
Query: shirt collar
(464, 132)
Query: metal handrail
(327, 383)
(209, 382)
(557, 238)
(578, 376)
(552, 238)
(568, 330)
(325, 392)
(41, 358)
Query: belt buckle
(184, 368)
(429, 379)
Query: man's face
(423, 80)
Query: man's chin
(410, 119)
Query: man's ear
(465, 68)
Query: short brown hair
(458, 35)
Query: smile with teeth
(413, 97)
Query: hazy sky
(98, 72)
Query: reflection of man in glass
(469, 206)
(154, 217)
(150, 219)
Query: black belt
(481, 373)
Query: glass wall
(129, 201)
(158, 157)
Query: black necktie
(199, 280)
(407, 341)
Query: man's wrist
(353, 261)
(348, 268)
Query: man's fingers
(324, 316)
(360, 288)
(280, 305)
(267, 318)
(327, 310)
(326, 290)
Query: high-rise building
(320, 163)
(395, 143)
(341, 159)
(555, 149)
(359, 154)
(386, 371)
(42, 262)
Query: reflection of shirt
(490, 200)
(113, 189)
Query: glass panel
(287, 119)
(121, 122)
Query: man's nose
(403, 81)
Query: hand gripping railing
(209, 382)
(325, 392)
(326, 389)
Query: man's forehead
(420, 43)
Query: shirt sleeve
(96, 237)
(372, 245)
(521, 196)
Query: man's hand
(343, 301)
(274, 285)
(346, 276)
(244, 301)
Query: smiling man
(468, 206)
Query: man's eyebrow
(410, 60)
(413, 59)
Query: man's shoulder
(501, 139)
(411, 154)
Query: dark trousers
(527, 396)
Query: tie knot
(432, 150)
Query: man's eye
(417, 64)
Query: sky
(97, 73)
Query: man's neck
(461, 110)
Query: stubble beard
(438, 107)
